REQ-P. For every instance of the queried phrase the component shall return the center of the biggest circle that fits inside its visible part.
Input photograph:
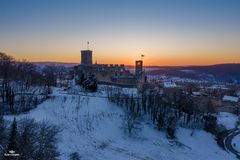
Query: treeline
(29, 139)
(23, 85)
(167, 110)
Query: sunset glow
(186, 33)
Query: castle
(110, 74)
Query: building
(86, 57)
(169, 85)
(238, 94)
(139, 67)
(109, 73)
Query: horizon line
(192, 65)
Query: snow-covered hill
(92, 126)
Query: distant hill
(42, 64)
(221, 72)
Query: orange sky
(150, 59)
(161, 52)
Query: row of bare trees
(23, 85)
(167, 110)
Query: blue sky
(169, 32)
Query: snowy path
(229, 144)
(236, 142)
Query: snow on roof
(196, 93)
(216, 86)
(170, 85)
(124, 77)
(230, 98)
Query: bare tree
(131, 123)
(74, 156)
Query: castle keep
(109, 74)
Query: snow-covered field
(92, 126)
(236, 143)
(227, 119)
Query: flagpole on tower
(142, 56)
(87, 45)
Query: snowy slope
(227, 119)
(92, 127)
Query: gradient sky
(170, 32)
